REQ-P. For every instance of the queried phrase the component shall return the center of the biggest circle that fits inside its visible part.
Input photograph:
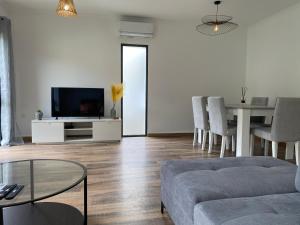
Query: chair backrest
(260, 101)
(217, 115)
(286, 120)
(200, 112)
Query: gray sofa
(231, 191)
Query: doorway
(134, 76)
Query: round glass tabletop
(42, 178)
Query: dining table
(244, 112)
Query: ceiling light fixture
(66, 8)
(213, 25)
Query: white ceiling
(243, 11)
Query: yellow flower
(116, 92)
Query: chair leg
(210, 141)
(274, 149)
(233, 143)
(262, 143)
(227, 143)
(223, 146)
(297, 153)
(289, 150)
(252, 138)
(195, 136)
(162, 207)
(204, 139)
(199, 136)
(215, 139)
(266, 153)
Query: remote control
(4, 191)
(14, 192)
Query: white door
(134, 78)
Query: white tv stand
(75, 130)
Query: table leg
(1, 216)
(297, 152)
(85, 200)
(31, 181)
(289, 150)
(243, 133)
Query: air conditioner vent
(136, 29)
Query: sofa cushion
(297, 180)
(266, 219)
(267, 210)
(185, 183)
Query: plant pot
(38, 115)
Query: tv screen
(77, 102)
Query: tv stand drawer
(48, 132)
(107, 131)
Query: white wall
(85, 51)
(273, 50)
(3, 9)
(184, 63)
(56, 52)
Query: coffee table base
(42, 213)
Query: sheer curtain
(7, 92)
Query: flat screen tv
(77, 102)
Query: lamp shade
(66, 8)
(213, 25)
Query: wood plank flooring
(123, 178)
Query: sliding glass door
(134, 77)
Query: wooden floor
(123, 178)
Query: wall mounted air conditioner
(136, 29)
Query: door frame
(146, 94)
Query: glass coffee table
(42, 179)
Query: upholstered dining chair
(285, 126)
(201, 124)
(219, 124)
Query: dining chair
(201, 124)
(219, 124)
(285, 126)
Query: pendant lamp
(66, 8)
(213, 25)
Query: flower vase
(243, 98)
(113, 112)
(38, 115)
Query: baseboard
(170, 134)
(28, 139)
